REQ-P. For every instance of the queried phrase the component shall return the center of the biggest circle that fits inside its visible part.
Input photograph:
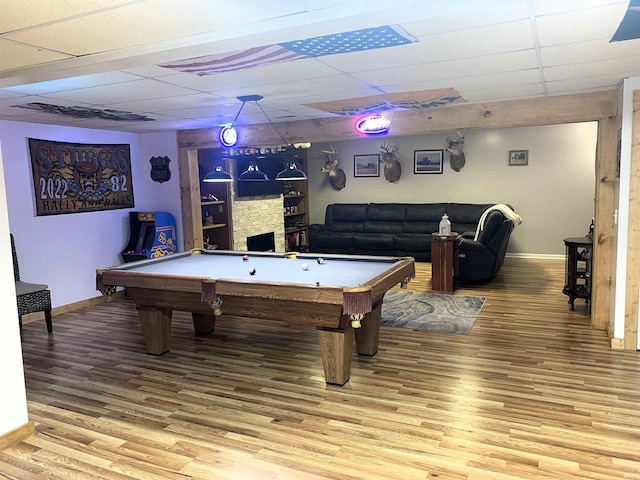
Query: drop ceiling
(106, 55)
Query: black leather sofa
(405, 229)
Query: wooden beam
(606, 170)
(190, 198)
(633, 248)
(537, 111)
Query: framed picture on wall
(518, 157)
(366, 165)
(427, 161)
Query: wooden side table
(444, 262)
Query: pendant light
(217, 175)
(291, 172)
(253, 174)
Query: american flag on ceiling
(629, 28)
(346, 42)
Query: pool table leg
(368, 334)
(336, 346)
(203, 323)
(156, 329)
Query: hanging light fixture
(291, 171)
(253, 174)
(217, 175)
(229, 135)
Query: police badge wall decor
(160, 171)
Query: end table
(444, 262)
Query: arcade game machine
(151, 235)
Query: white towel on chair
(506, 211)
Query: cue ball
(320, 260)
(305, 266)
(245, 258)
(252, 271)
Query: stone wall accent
(257, 215)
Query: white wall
(64, 251)
(554, 194)
(626, 135)
(13, 413)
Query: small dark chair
(32, 297)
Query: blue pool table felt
(347, 272)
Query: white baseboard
(537, 256)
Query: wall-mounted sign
(74, 177)
(372, 125)
(160, 171)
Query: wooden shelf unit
(296, 209)
(201, 201)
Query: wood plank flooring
(532, 393)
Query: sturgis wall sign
(74, 177)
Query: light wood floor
(533, 392)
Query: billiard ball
(320, 260)
(305, 266)
(252, 271)
(245, 258)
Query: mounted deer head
(456, 157)
(392, 167)
(337, 177)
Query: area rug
(431, 312)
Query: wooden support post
(368, 334)
(203, 323)
(156, 330)
(336, 347)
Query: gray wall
(554, 193)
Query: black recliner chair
(481, 259)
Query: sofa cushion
(426, 212)
(334, 240)
(346, 212)
(420, 227)
(383, 227)
(412, 242)
(386, 212)
(346, 226)
(466, 213)
(373, 241)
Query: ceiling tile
(17, 55)
(583, 52)
(622, 67)
(18, 14)
(121, 92)
(73, 83)
(579, 25)
(490, 64)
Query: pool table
(341, 295)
